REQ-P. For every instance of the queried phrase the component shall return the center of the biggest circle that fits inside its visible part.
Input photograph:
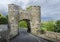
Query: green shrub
(42, 31)
(49, 26)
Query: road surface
(27, 37)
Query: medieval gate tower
(16, 14)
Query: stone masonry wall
(16, 14)
(35, 19)
(4, 31)
(13, 19)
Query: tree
(23, 24)
(1, 15)
(7, 16)
(3, 19)
(57, 26)
(50, 26)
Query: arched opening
(25, 23)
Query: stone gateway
(31, 15)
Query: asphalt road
(27, 37)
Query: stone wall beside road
(53, 36)
(4, 32)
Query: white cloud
(49, 8)
(21, 3)
(6, 1)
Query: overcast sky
(50, 9)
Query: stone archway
(15, 14)
(28, 24)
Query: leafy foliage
(28, 8)
(23, 24)
(57, 26)
(49, 26)
(3, 19)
